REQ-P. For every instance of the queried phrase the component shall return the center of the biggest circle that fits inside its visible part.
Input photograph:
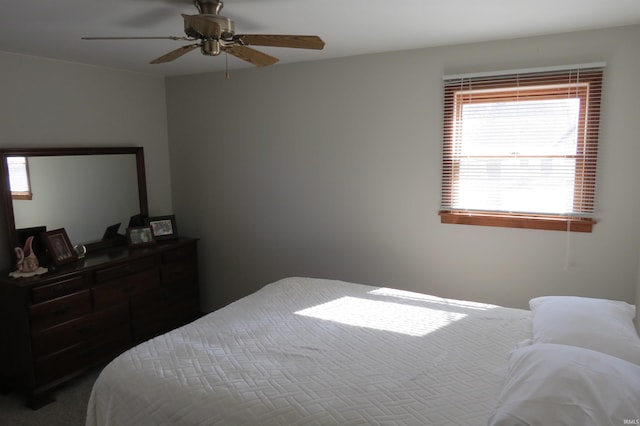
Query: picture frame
(140, 236)
(163, 227)
(111, 231)
(137, 220)
(59, 246)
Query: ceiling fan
(214, 33)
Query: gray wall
(48, 103)
(332, 169)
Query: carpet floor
(69, 408)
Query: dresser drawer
(129, 268)
(59, 337)
(61, 363)
(104, 320)
(89, 327)
(184, 272)
(158, 300)
(59, 310)
(81, 355)
(121, 290)
(51, 291)
(152, 320)
(180, 253)
(118, 341)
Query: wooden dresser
(57, 326)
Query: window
(520, 150)
(19, 178)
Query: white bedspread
(317, 352)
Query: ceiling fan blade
(137, 38)
(295, 41)
(175, 54)
(202, 25)
(250, 55)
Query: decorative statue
(27, 260)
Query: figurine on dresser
(27, 264)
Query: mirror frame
(5, 191)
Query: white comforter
(317, 352)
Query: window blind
(18, 175)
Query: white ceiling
(53, 29)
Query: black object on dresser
(56, 326)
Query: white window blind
(18, 176)
(522, 144)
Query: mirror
(83, 190)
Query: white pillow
(550, 384)
(598, 324)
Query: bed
(304, 351)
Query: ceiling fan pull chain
(227, 74)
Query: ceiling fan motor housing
(208, 6)
(219, 27)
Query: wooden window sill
(550, 223)
(21, 195)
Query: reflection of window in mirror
(19, 178)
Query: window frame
(585, 85)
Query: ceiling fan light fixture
(210, 47)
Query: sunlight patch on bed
(409, 295)
(380, 315)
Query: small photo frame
(60, 248)
(111, 231)
(140, 236)
(137, 220)
(163, 227)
